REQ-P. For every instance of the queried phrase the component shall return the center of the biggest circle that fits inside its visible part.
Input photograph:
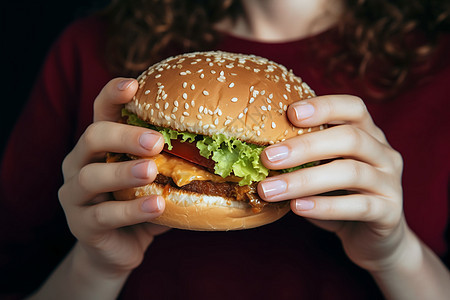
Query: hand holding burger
(217, 112)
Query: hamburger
(217, 111)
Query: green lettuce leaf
(235, 157)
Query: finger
(333, 109)
(98, 178)
(115, 93)
(345, 174)
(340, 141)
(354, 207)
(116, 214)
(101, 137)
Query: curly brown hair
(371, 32)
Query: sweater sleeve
(33, 234)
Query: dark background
(28, 29)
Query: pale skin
(369, 220)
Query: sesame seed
(219, 112)
(164, 97)
(285, 96)
(147, 106)
(147, 92)
(193, 103)
(186, 105)
(175, 103)
(264, 108)
(157, 75)
(192, 87)
(184, 96)
(174, 109)
(186, 114)
(269, 107)
(157, 105)
(166, 105)
(230, 85)
(251, 100)
(184, 84)
(199, 116)
(274, 125)
(173, 116)
(227, 122)
(205, 93)
(216, 121)
(202, 76)
(240, 115)
(234, 99)
(200, 109)
(300, 131)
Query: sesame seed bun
(241, 96)
(207, 93)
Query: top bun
(240, 96)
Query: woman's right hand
(112, 235)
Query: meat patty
(230, 190)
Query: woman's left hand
(367, 215)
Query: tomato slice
(188, 151)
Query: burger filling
(216, 165)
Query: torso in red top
(287, 259)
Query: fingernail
(151, 205)
(303, 111)
(148, 140)
(302, 204)
(273, 187)
(276, 153)
(141, 170)
(124, 84)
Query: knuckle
(65, 166)
(90, 135)
(368, 209)
(99, 215)
(359, 107)
(354, 172)
(83, 178)
(62, 192)
(353, 137)
(397, 161)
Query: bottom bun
(188, 210)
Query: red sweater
(287, 259)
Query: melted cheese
(183, 172)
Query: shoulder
(83, 33)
